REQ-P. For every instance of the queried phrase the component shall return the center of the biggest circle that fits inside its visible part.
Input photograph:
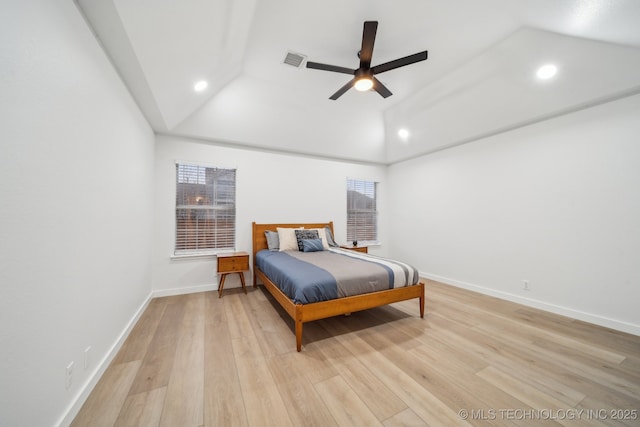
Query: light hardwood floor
(197, 360)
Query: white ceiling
(479, 79)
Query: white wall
(269, 188)
(76, 211)
(556, 203)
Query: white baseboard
(195, 289)
(94, 377)
(183, 291)
(542, 305)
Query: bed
(305, 312)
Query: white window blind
(205, 209)
(362, 216)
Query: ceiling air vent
(294, 59)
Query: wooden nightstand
(234, 262)
(362, 249)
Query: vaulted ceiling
(479, 80)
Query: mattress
(308, 277)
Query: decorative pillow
(287, 238)
(330, 239)
(303, 235)
(323, 236)
(273, 243)
(312, 245)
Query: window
(362, 216)
(205, 209)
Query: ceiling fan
(364, 77)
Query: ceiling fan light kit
(363, 81)
(363, 84)
(364, 76)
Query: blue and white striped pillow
(312, 245)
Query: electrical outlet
(68, 379)
(86, 357)
(525, 285)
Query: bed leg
(298, 321)
(298, 336)
(422, 302)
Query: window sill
(364, 243)
(194, 256)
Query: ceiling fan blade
(381, 89)
(342, 90)
(368, 39)
(327, 67)
(399, 62)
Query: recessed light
(546, 71)
(200, 86)
(403, 134)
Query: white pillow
(322, 233)
(287, 237)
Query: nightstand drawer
(237, 261)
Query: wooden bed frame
(302, 313)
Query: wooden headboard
(260, 241)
